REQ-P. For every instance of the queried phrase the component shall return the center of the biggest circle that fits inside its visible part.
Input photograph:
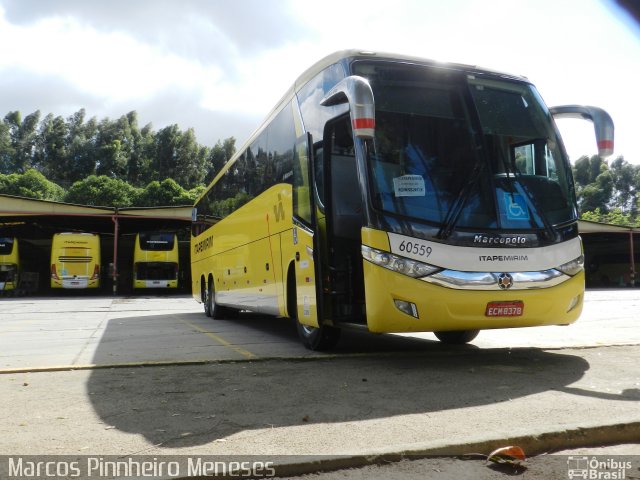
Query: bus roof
(367, 54)
(353, 54)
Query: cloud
(204, 64)
(200, 29)
(27, 93)
(226, 63)
(177, 107)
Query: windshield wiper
(451, 218)
(523, 189)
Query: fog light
(407, 307)
(574, 303)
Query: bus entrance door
(304, 239)
(305, 277)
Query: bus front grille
(74, 259)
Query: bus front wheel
(318, 338)
(457, 337)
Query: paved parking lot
(154, 376)
(81, 331)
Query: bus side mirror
(602, 123)
(357, 92)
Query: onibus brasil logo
(593, 468)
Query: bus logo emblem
(505, 281)
(278, 209)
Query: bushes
(99, 191)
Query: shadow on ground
(371, 377)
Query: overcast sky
(219, 66)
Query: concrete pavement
(358, 407)
(338, 409)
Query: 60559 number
(415, 248)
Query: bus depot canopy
(34, 222)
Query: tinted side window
(265, 163)
(314, 115)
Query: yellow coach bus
(75, 260)
(9, 263)
(155, 260)
(397, 194)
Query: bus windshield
(448, 141)
(156, 241)
(6, 245)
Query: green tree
(586, 170)
(81, 146)
(163, 194)
(6, 150)
(114, 145)
(167, 139)
(190, 159)
(22, 138)
(31, 184)
(623, 176)
(142, 152)
(218, 156)
(195, 193)
(102, 191)
(51, 157)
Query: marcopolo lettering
(510, 240)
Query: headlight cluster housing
(396, 263)
(573, 267)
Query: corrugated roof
(21, 206)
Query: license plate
(505, 309)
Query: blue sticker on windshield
(515, 206)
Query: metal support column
(632, 265)
(114, 270)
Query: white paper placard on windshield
(409, 186)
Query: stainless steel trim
(489, 280)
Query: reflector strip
(608, 144)
(359, 123)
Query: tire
(457, 337)
(215, 311)
(314, 338)
(321, 338)
(210, 307)
(208, 299)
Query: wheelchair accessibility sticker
(515, 206)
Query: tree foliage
(106, 162)
(102, 191)
(117, 163)
(607, 191)
(31, 184)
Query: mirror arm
(602, 123)
(355, 91)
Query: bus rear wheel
(457, 337)
(207, 298)
(211, 308)
(215, 311)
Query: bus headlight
(573, 267)
(403, 265)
